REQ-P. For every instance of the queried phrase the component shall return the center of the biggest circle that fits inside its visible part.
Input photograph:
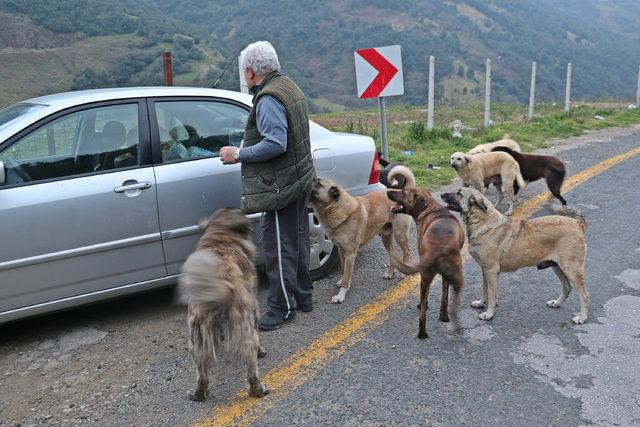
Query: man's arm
(272, 125)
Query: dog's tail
(571, 213)
(518, 158)
(201, 283)
(401, 176)
(403, 267)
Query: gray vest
(276, 183)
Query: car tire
(323, 254)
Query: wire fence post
(532, 92)
(383, 128)
(487, 96)
(432, 72)
(168, 73)
(243, 84)
(567, 92)
(638, 90)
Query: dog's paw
(578, 320)
(444, 317)
(337, 299)
(389, 275)
(423, 336)
(477, 303)
(258, 390)
(261, 352)
(486, 315)
(199, 395)
(553, 303)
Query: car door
(192, 182)
(78, 206)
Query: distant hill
(51, 46)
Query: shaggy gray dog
(219, 283)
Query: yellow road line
(303, 365)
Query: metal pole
(243, 85)
(487, 95)
(638, 90)
(567, 92)
(383, 128)
(432, 73)
(532, 92)
(168, 73)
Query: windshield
(16, 110)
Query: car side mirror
(3, 177)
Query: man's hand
(226, 155)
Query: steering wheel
(17, 168)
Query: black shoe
(305, 308)
(270, 321)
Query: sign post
(379, 74)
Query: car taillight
(374, 176)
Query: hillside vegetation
(72, 44)
(427, 152)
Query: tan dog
(480, 170)
(440, 239)
(498, 244)
(219, 283)
(488, 147)
(353, 221)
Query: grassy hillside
(410, 142)
(316, 41)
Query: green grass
(406, 129)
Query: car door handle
(135, 186)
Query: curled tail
(401, 176)
(201, 283)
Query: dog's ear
(468, 158)
(479, 202)
(334, 192)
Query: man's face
(250, 77)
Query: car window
(198, 129)
(14, 111)
(93, 140)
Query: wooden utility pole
(168, 73)
(532, 91)
(430, 94)
(567, 90)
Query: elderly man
(277, 177)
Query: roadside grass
(427, 152)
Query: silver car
(101, 191)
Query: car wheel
(324, 253)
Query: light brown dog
(488, 147)
(440, 239)
(353, 221)
(481, 169)
(219, 283)
(498, 244)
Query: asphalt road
(125, 362)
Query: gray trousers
(285, 244)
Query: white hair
(261, 57)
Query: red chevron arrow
(386, 71)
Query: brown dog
(501, 244)
(537, 166)
(440, 239)
(353, 221)
(219, 283)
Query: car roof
(65, 99)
